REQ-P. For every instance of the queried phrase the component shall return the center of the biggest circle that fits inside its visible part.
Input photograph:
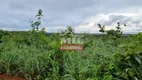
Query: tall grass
(37, 57)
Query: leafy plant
(113, 33)
(35, 24)
(67, 32)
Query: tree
(35, 24)
(101, 28)
(115, 33)
(67, 32)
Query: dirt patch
(6, 77)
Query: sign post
(74, 43)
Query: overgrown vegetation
(35, 55)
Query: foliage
(129, 63)
(35, 24)
(67, 32)
(113, 33)
(37, 57)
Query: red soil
(6, 77)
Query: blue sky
(83, 15)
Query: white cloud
(133, 22)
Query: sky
(83, 15)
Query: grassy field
(36, 56)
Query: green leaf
(137, 59)
(131, 73)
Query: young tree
(117, 33)
(67, 32)
(101, 28)
(35, 24)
